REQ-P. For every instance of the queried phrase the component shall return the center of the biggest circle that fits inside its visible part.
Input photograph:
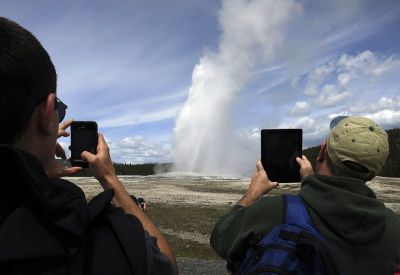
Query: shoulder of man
(241, 227)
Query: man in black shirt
(46, 226)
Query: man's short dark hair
(351, 165)
(27, 76)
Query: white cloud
(330, 96)
(330, 83)
(389, 65)
(316, 77)
(139, 149)
(386, 102)
(344, 79)
(389, 118)
(306, 123)
(136, 149)
(301, 108)
(384, 111)
(362, 61)
(368, 63)
(133, 117)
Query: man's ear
(47, 113)
(322, 152)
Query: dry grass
(187, 228)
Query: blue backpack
(294, 247)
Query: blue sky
(129, 65)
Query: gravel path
(191, 266)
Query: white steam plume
(252, 31)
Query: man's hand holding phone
(100, 164)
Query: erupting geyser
(204, 137)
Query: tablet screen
(279, 149)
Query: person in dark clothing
(140, 202)
(46, 225)
(361, 231)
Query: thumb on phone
(87, 156)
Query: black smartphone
(279, 149)
(83, 138)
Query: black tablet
(279, 149)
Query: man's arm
(250, 217)
(103, 170)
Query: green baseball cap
(357, 146)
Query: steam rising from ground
(205, 140)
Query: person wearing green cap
(362, 233)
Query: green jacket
(362, 232)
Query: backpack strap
(297, 213)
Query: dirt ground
(215, 191)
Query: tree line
(144, 169)
(391, 168)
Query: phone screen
(279, 149)
(83, 138)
